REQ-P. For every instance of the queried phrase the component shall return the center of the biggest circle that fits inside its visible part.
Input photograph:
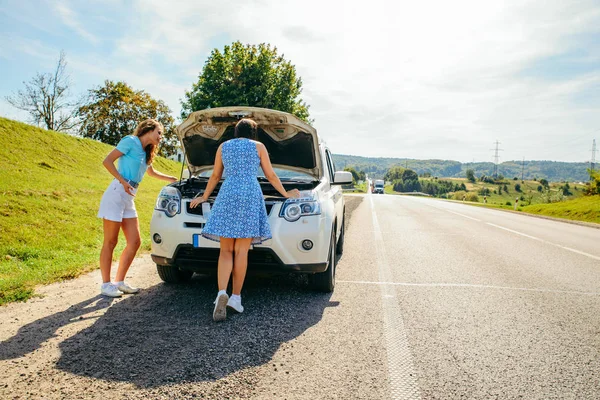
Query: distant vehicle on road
(378, 186)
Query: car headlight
(169, 201)
(293, 209)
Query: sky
(408, 79)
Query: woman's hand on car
(292, 194)
(196, 201)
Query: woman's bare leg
(240, 263)
(111, 238)
(131, 230)
(225, 262)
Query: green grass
(580, 209)
(50, 189)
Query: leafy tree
(46, 99)
(355, 176)
(484, 191)
(393, 174)
(544, 183)
(566, 189)
(471, 175)
(594, 187)
(247, 76)
(517, 187)
(114, 110)
(409, 175)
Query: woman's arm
(212, 181)
(265, 164)
(109, 164)
(154, 173)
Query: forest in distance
(553, 171)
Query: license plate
(200, 241)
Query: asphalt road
(434, 300)
(492, 304)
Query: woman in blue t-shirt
(117, 209)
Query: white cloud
(71, 19)
(429, 79)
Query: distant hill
(553, 171)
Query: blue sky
(428, 79)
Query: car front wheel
(171, 274)
(325, 281)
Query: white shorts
(117, 204)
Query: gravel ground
(71, 343)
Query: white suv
(307, 232)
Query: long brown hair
(144, 127)
(246, 128)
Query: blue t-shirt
(132, 164)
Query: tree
(355, 176)
(471, 175)
(46, 99)
(409, 175)
(247, 76)
(394, 174)
(594, 187)
(114, 110)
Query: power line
(496, 158)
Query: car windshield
(283, 174)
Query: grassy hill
(50, 188)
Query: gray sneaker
(125, 288)
(110, 290)
(220, 311)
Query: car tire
(339, 248)
(325, 281)
(172, 274)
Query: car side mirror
(186, 174)
(342, 178)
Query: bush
(460, 195)
(517, 187)
(472, 197)
(508, 203)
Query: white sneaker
(125, 288)
(110, 290)
(220, 311)
(236, 304)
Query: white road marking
(403, 382)
(468, 285)
(545, 241)
(462, 215)
(513, 231)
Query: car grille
(198, 210)
(206, 257)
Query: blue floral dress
(239, 210)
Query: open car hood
(292, 144)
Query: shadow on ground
(166, 335)
(31, 336)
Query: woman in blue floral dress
(238, 217)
